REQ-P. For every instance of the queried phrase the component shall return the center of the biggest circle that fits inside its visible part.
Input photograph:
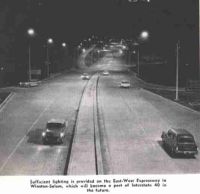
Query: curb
(156, 86)
(2, 105)
(98, 152)
(51, 77)
(176, 103)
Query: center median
(85, 157)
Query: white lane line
(7, 100)
(18, 144)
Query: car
(105, 73)
(55, 131)
(29, 84)
(125, 84)
(179, 141)
(85, 76)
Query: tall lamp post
(31, 34)
(138, 58)
(177, 70)
(49, 42)
(144, 35)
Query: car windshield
(125, 82)
(185, 139)
(54, 126)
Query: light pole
(31, 33)
(177, 70)
(138, 58)
(49, 42)
(144, 35)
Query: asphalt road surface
(126, 139)
(23, 120)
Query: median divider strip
(73, 132)
(97, 143)
(105, 155)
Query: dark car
(55, 131)
(179, 141)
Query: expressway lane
(23, 120)
(134, 120)
(114, 130)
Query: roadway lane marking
(23, 138)
(6, 101)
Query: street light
(177, 70)
(49, 41)
(64, 44)
(138, 57)
(144, 35)
(31, 34)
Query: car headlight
(43, 134)
(61, 134)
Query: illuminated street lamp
(49, 42)
(31, 34)
(64, 44)
(144, 35)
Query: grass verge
(189, 99)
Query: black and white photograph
(99, 89)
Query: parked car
(29, 84)
(54, 132)
(125, 84)
(105, 73)
(85, 76)
(179, 141)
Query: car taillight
(61, 134)
(43, 134)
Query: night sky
(71, 21)
(76, 19)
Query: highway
(111, 130)
(23, 120)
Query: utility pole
(29, 62)
(138, 61)
(31, 34)
(177, 70)
(47, 59)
